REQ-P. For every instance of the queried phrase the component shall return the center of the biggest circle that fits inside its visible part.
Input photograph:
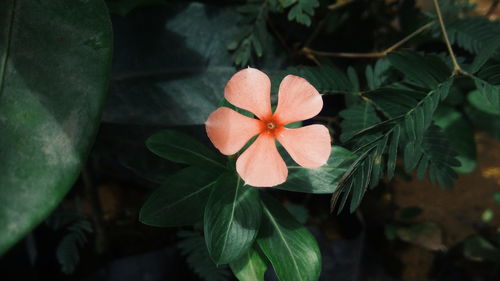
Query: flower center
(270, 125)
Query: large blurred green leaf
(54, 63)
(232, 218)
(181, 199)
(288, 245)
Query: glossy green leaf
(321, 180)
(460, 135)
(55, 58)
(182, 148)
(288, 245)
(251, 266)
(232, 218)
(180, 200)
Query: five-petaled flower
(261, 165)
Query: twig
(492, 8)
(339, 4)
(379, 54)
(456, 67)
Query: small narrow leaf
(232, 218)
(290, 248)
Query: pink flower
(261, 165)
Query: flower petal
(309, 146)
(229, 130)
(297, 100)
(250, 89)
(261, 165)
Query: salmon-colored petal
(229, 130)
(261, 165)
(297, 100)
(250, 89)
(309, 146)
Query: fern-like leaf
(67, 251)
(388, 136)
(192, 245)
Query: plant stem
(456, 67)
(492, 8)
(379, 54)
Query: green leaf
(356, 118)
(181, 148)
(426, 71)
(55, 58)
(251, 266)
(488, 84)
(68, 249)
(326, 78)
(478, 248)
(232, 218)
(302, 11)
(180, 200)
(321, 180)
(290, 248)
(460, 135)
(192, 245)
(487, 51)
(480, 102)
(472, 33)
(492, 127)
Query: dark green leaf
(181, 148)
(480, 102)
(232, 218)
(192, 245)
(55, 58)
(478, 248)
(181, 199)
(426, 70)
(251, 266)
(487, 51)
(290, 248)
(472, 33)
(356, 118)
(321, 180)
(460, 135)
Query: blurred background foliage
(395, 103)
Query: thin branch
(380, 54)
(339, 4)
(456, 67)
(492, 8)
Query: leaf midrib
(3, 62)
(198, 154)
(233, 208)
(160, 210)
(275, 224)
